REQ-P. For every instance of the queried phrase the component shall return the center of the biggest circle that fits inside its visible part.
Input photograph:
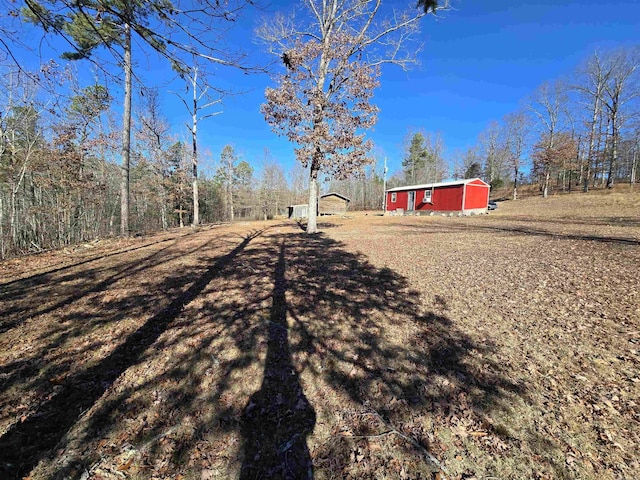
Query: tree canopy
(331, 59)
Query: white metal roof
(434, 185)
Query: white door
(411, 201)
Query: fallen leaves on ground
(499, 346)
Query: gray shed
(299, 211)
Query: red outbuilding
(467, 197)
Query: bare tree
(472, 163)
(516, 131)
(10, 34)
(273, 187)
(21, 137)
(557, 155)
(332, 57)
(435, 165)
(549, 105)
(635, 158)
(594, 76)
(226, 176)
(155, 141)
(620, 89)
(201, 100)
(493, 155)
(299, 180)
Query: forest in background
(571, 134)
(59, 154)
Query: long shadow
(278, 418)
(322, 225)
(43, 277)
(354, 330)
(26, 442)
(567, 236)
(529, 231)
(14, 316)
(341, 306)
(590, 221)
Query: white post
(384, 187)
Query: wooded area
(61, 181)
(575, 133)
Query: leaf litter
(501, 346)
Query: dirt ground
(497, 346)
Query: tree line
(60, 178)
(571, 134)
(575, 133)
(61, 183)
(71, 171)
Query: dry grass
(500, 346)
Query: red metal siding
(401, 201)
(477, 181)
(448, 198)
(477, 196)
(424, 206)
(444, 199)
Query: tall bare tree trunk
(600, 158)
(634, 166)
(592, 142)
(613, 163)
(597, 94)
(579, 163)
(196, 202)
(312, 224)
(194, 146)
(2, 246)
(364, 190)
(545, 190)
(12, 219)
(163, 209)
(126, 135)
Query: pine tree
(415, 159)
(110, 24)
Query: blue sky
(479, 62)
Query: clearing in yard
(499, 346)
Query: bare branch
(331, 61)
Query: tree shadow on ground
(278, 418)
(49, 286)
(42, 278)
(622, 221)
(257, 343)
(82, 290)
(24, 444)
(360, 335)
(529, 231)
(320, 224)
